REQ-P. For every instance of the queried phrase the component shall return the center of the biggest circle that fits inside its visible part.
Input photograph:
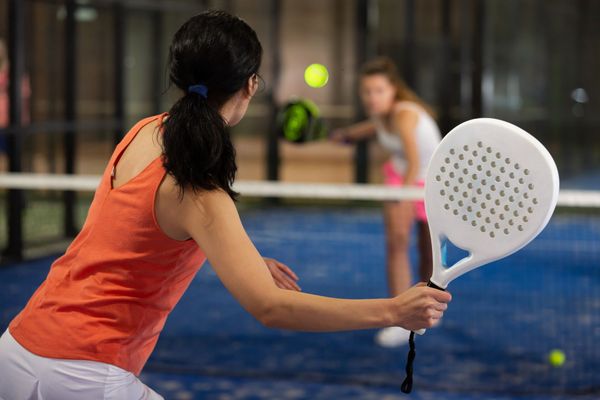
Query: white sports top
(428, 137)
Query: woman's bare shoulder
(206, 205)
(406, 107)
(404, 112)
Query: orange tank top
(107, 298)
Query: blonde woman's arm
(355, 132)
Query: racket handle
(432, 285)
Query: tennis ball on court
(316, 75)
(557, 358)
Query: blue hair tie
(202, 90)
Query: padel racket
(299, 121)
(490, 189)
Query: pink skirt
(393, 178)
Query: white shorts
(26, 376)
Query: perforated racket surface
(490, 189)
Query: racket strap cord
(408, 381)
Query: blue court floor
(493, 343)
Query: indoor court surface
(493, 342)
(343, 105)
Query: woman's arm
(352, 133)
(212, 220)
(404, 122)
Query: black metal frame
(16, 132)
(119, 68)
(409, 68)
(365, 49)
(447, 61)
(157, 68)
(16, 47)
(477, 57)
(70, 111)
(273, 158)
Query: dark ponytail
(211, 58)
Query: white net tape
(568, 198)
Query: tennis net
(496, 337)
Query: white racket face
(490, 189)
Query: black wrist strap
(410, 359)
(408, 381)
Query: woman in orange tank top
(164, 205)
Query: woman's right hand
(339, 135)
(420, 307)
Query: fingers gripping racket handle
(431, 285)
(408, 381)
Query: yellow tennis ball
(316, 75)
(557, 358)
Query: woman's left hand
(283, 275)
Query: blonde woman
(404, 125)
